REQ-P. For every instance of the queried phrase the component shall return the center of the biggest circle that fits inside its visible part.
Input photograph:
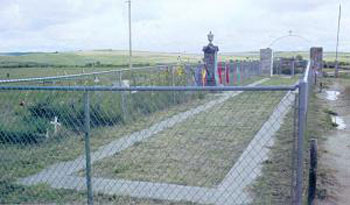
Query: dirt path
(337, 147)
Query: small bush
(28, 131)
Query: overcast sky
(170, 25)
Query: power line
(130, 35)
(337, 45)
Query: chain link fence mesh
(148, 147)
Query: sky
(171, 25)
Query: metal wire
(152, 144)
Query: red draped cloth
(220, 72)
(227, 73)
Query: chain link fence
(153, 144)
(180, 74)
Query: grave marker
(56, 124)
(126, 84)
(96, 80)
(210, 61)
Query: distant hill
(110, 58)
(15, 54)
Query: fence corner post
(298, 198)
(87, 147)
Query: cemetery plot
(29, 116)
(54, 121)
(38, 129)
(199, 151)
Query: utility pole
(130, 39)
(337, 46)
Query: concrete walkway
(249, 165)
(231, 190)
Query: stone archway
(272, 64)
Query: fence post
(120, 78)
(312, 172)
(300, 141)
(123, 97)
(242, 71)
(250, 69)
(295, 131)
(293, 67)
(87, 147)
(173, 81)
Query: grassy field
(145, 76)
(53, 64)
(199, 151)
(31, 112)
(20, 160)
(273, 186)
(82, 58)
(42, 194)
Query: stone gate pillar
(210, 61)
(266, 61)
(316, 59)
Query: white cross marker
(47, 133)
(96, 80)
(126, 83)
(55, 123)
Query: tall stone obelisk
(210, 61)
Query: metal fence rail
(232, 73)
(153, 144)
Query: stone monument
(266, 61)
(210, 61)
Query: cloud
(295, 6)
(167, 25)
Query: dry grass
(20, 161)
(274, 186)
(199, 151)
